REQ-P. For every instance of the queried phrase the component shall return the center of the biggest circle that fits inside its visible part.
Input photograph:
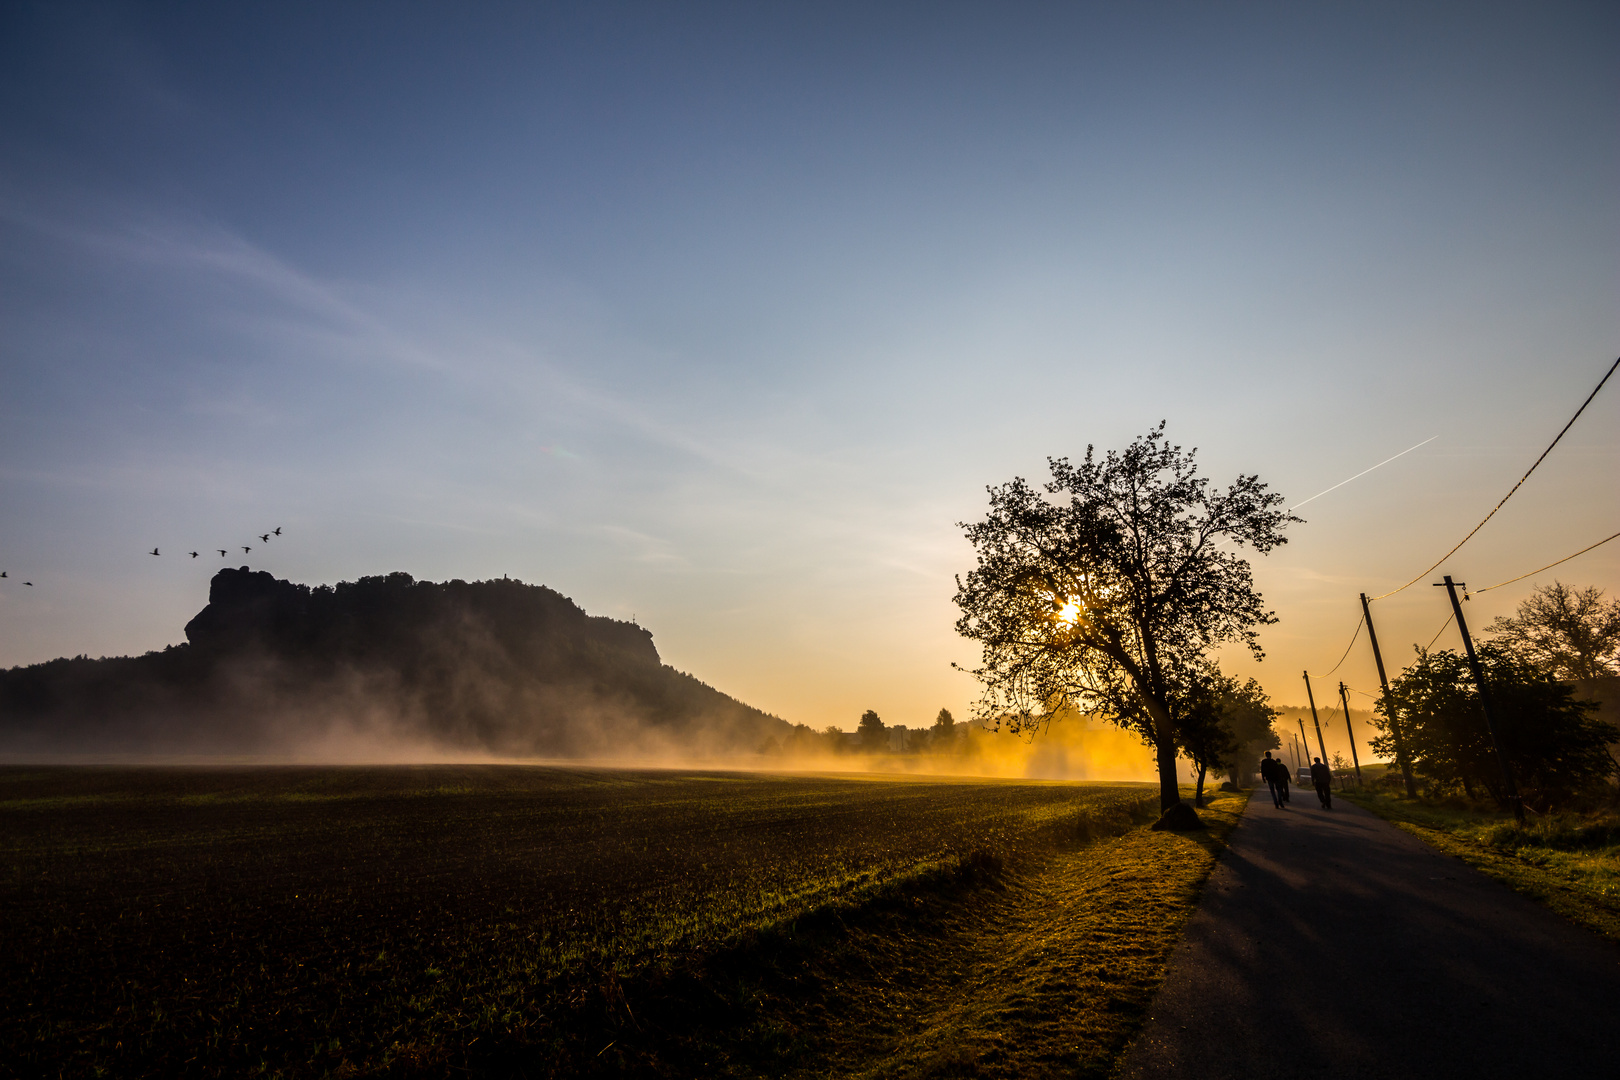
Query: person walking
(1275, 774)
(1283, 781)
(1322, 777)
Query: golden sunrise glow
(1069, 613)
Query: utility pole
(1401, 759)
(1304, 743)
(1484, 700)
(1314, 719)
(1348, 731)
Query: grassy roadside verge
(1043, 965)
(1572, 868)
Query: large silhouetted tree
(1104, 591)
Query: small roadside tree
(1568, 633)
(1204, 735)
(1249, 714)
(873, 732)
(1221, 723)
(1102, 592)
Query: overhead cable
(1515, 488)
(1347, 649)
(1550, 565)
(1440, 631)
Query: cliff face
(492, 665)
(403, 622)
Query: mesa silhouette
(490, 666)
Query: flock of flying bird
(245, 547)
(264, 537)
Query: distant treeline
(498, 666)
(873, 736)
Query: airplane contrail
(1363, 472)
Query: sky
(723, 317)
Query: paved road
(1333, 944)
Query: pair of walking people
(1275, 774)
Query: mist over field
(388, 669)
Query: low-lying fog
(1067, 750)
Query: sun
(1069, 613)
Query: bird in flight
(193, 554)
(30, 584)
(221, 552)
(246, 549)
(276, 531)
(154, 551)
(2, 573)
(265, 537)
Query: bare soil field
(510, 920)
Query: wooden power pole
(1350, 732)
(1485, 704)
(1314, 718)
(1401, 758)
(1304, 744)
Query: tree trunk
(1406, 776)
(1198, 799)
(1169, 790)
(1164, 742)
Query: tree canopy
(1103, 591)
(1568, 633)
(1243, 711)
(1553, 745)
(1220, 723)
(873, 732)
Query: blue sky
(722, 316)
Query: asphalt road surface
(1330, 943)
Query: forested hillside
(499, 666)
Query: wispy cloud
(327, 314)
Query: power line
(1438, 632)
(1515, 488)
(1550, 565)
(1488, 588)
(1347, 649)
